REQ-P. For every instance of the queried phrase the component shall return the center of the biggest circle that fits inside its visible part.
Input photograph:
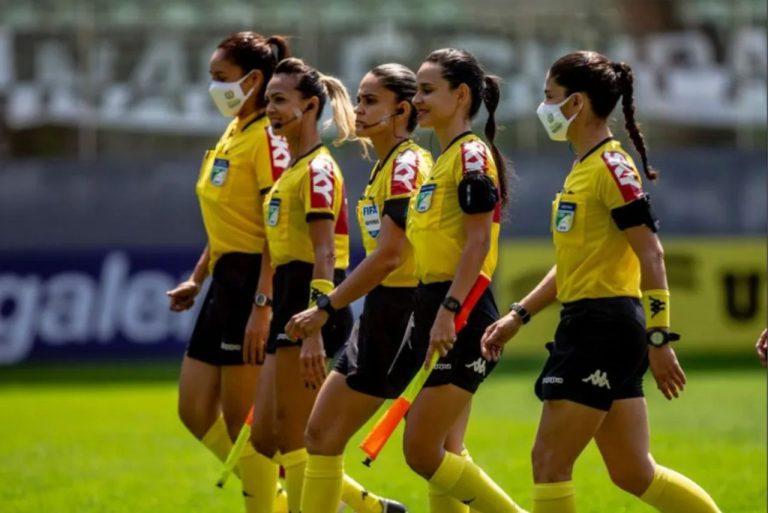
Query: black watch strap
(520, 310)
(451, 304)
(323, 302)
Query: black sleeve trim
(264, 190)
(316, 216)
(397, 210)
(636, 213)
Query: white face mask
(554, 121)
(229, 96)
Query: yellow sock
(671, 492)
(323, 479)
(217, 439)
(358, 498)
(554, 498)
(259, 475)
(440, 501)
(465, 481)
(294, 463)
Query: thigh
(339, 412)
(293, 401)
(199, 388)
(454, 442)
(623, 439)
(238, 393)
(434, 414)
(565, 429)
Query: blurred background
(105, 116)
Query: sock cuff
(324, 466)
(217, 431)
(448, 473)
(248, 450)
(655, 489)
(293, 458)
(465, 454)
(553, 491)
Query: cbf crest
(564, 217)
(424, 198)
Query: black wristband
(451, 304)
(521, 311)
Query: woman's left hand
(442, 337)
(669, 375)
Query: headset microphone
(385, 118)
(297, 114)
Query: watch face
(323, 301)
(657, 338)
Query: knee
(632, 477)
(423, 458)
(196, 420)
(322, 440)
(549, 466)
(265, 446)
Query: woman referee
(360, 382)
(453, 226)
(216, 388)
(308, 244)
(610, 277)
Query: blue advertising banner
(66, 305)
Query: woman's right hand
(497, 335)
(312, 361)
(183, 296)
(666, 370)
(256, 334)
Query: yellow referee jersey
(594, 258)
(396, 177)
(313, 188)
(234, 178)
(435, 219)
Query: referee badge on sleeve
(219, 172)
(273, 212)
(424, 199)
(564, 216)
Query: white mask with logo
(229, 96)
(554, 121)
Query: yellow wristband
(656, 307)
(317, 287)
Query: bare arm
(478, 229)
(183, 295)
(669, 375)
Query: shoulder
(475, 156)
(404, 171)
(618, 170)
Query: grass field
(107, 439)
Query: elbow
(390, 261)
(653, 257)
(325, 255)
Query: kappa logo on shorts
(599, 379)
(477, 366)
(231, 347)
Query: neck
(306, 138)
(384, 143)
(249, 107)
(589, 136)
(446, 134)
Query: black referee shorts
(290, 289)
(220, 327)
(599, 354)
(368, 360)
(464, 366)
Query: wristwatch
(324, 303)
(520, 310)
(261, 300)
(658, 337)
(451, 304)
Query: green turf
(85, 445)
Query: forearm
(470, 265)
(366, 276)
(266, 273)
(653, 272)
(325, 259)
(543, 295)
(201, 268)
